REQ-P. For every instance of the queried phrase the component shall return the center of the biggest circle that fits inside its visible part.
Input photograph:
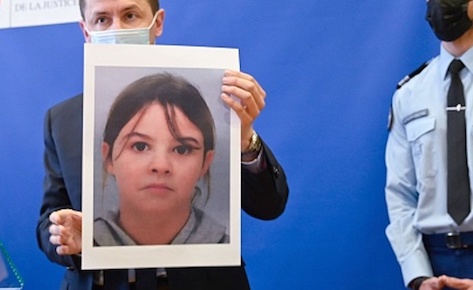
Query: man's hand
(460, 284)
(249, 104)
(66, 231)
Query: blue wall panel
(329, 68)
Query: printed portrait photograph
(161, 159)
(161, 166)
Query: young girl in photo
(158, 142)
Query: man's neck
(460, 45)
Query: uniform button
(276, 171)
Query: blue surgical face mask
(120, 36)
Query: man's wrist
(417, 282)
(254, 148)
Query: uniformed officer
(427, 238)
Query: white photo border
(187, 255)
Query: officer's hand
(455, 283)
(433, 283)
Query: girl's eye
(183, 149)
(140, 146)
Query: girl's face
(153, 170)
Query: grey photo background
(110, 81)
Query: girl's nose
(160, 163)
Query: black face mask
(448, 18)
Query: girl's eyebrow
(183, 140)
(188, 141)
(138, 134)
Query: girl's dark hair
(171, 92)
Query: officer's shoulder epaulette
(408, 77)
(404, 81)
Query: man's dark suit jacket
(264, 196)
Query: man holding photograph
(264, 187)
